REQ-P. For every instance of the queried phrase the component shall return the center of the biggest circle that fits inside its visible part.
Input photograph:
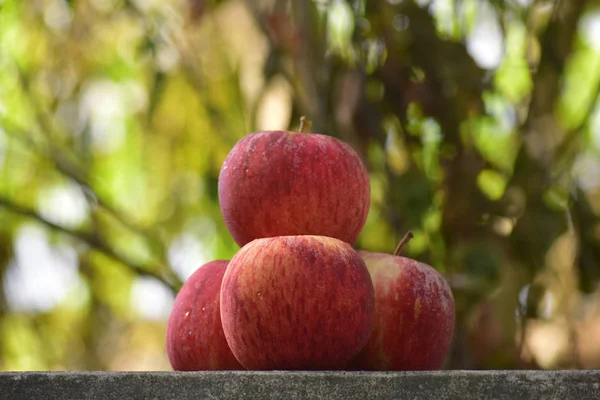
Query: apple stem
(305, 124)
(409, 235)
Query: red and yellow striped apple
(195, 339)
(296, 303)
(414, 315)
(281, 183)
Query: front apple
(296, 303)
(195, 339)
(280, 183)
(414, 315)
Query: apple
(195, 339)
(296, 303)
(414, 315)
(283, 183)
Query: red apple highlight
(414, 315)
(296, 303)
(195, 339)
(280, 183)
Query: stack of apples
(297, 295)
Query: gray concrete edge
(580, 385)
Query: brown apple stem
(305, 124)
(409, 235)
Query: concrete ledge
(464, 385)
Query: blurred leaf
(491, 183)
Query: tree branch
(98, 244)
(58, 157)
(66, 168)
(533, 166)
(557, 42)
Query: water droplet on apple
(258, 293)
(186, 316)
(203, 308)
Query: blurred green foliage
(479, 122)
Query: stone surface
(464, 385)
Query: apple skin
(414, 316)
(296, 303)
(280, 183)
(195, 339)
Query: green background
(479, 122)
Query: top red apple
(281, 183)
